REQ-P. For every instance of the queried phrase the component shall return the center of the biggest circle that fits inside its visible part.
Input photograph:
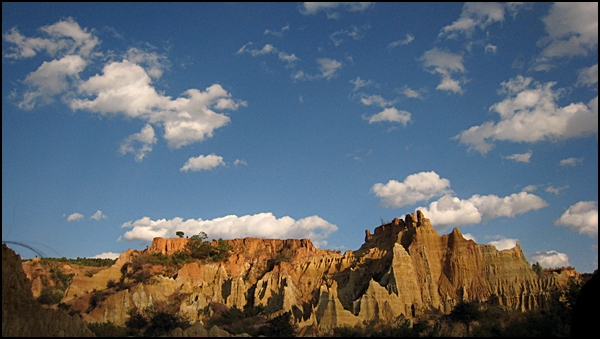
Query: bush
(50, 296)
(107, 329)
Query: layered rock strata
(403, 269)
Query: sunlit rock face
(22, 315)
(403, 269)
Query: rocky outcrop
(403, 269)
(22, 315)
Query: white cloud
(469, 236)
(555, 190)
(107, 255)
(125, 88)
(522, 157)
(75, 217)
(98, 215)
(572, 31)
(376, 100)
(50, 79)
(392, 115)
(267, 48)
(489, 48)
(402, 42)
(504, 243)
(530, 114)
(415, 187)
(451, 211)
(262, 225)
(145, 137)
(571, 161)
(309, 8)
(328, 67)
(359, 83)
(278, 33)
(550, 259)
(65, 37)
(588, 76)
(238, 162)
(492, 206)
(411, 93)
(444, 64)
(529, 188)
(354, 32)
(202, 163)
(581, 218)
(477, 15)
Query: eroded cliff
(403, 269)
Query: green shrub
(50, 296)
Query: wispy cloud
(312, 8)
(588, 76)
(277, 33)
(402, 42)
(478, 15)
(327, 67)
(522, 157)
(390, 114)
(145, 137)
(356, 33)
(555, 190)
(360, 83)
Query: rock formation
(22, 315)
(403, 269)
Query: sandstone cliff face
(402, 269)
(22, 315)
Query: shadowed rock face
(22, 315)
(403, 268)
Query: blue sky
(122, 122)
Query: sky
(122, 122)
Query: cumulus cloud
(145, 138)
(202, 163)
(262, 225)
(444, 64)
(504, 243)
(571, 161)
(391, 115)
(572, 29)
(64, 37)
(124, 87)
(529, 114)
(489, 48)
(311, 8)
(477, 15)
(581, 218)
(107, 255)
(98, 215)
(449, 211)
(402, 42)
(523, 157)
(75, 217)
(550, 259)
(415, 187)
(50, 79)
